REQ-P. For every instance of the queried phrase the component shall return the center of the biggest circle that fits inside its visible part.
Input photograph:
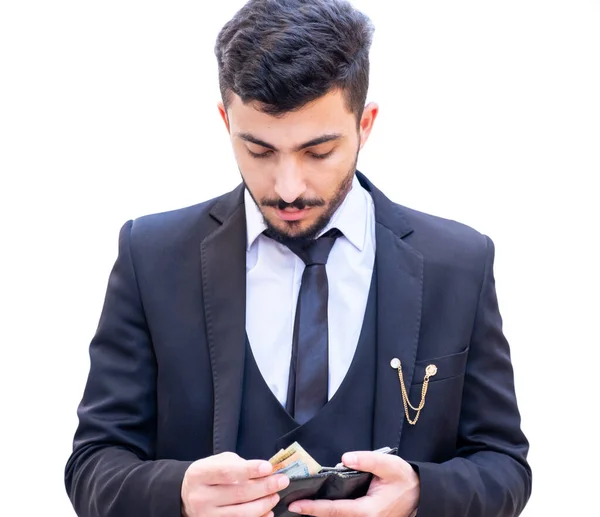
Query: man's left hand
(394, 490)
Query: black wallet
(330, 483)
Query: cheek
(330, 172)
(326, 183)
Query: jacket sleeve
(489, 475)
(112, 471)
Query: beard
(310, 233)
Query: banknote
(282, 455)
(298, 469)
(285, 458)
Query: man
(303, 306)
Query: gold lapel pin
(430, 371)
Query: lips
(292, 214)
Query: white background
(490, 114)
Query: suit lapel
(399, 300)
(224, 290)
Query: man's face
(298, 167)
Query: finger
(251, 490)
(228, 468)
(327, 508)
(258, 507)
(258, 468)
(384, 466)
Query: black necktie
(308, 380)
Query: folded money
(298, 469)
(295, 456)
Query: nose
(289, 183)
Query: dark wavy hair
(284, 54)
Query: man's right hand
(227, 485)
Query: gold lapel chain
(430, 371)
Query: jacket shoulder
(445, 240)
(175, 228)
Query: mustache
(299, 203)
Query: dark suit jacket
(164, 386)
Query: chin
(292, 228)
(300, 232)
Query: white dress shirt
(273, 278)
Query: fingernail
(265, 468)
(283, 482)
(295, 508)
(349, 459)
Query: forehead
(326, 115)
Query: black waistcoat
(344, 424)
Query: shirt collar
(350, 218)
(255, 223)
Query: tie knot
(317, 251)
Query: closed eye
(317, 156)
(269, 152)
(266, 154)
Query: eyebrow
(315, 141)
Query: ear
(223, 113)
(366, 122)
